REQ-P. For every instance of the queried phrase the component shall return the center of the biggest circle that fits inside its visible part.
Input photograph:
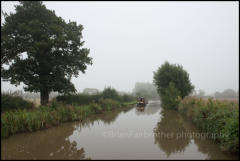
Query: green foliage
(96, 108)
(13, 122)
(174, 73)
(171, 98)
(127, 98)
(85, 99)
(110, 93)
(9, 102)
(214, 117)
(109, 104)
(79, 99)
(52, 46)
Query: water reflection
(167, 133)
(53, 143)
(88, 139)
(174, 133)
(140, 110)
(205, 144)
(107, 118)
(45, 144)
(151, 108)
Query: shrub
(85, 99)
(9, 102)
(96, 108)
(110, 93)
(171, 98)
(79, 99)
(172, 74)
(216, 117)
(109, 104)
(127, 98)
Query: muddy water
(151, 133)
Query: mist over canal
(129, 134)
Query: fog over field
(130, 40)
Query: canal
(152, 133)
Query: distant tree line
(199, 93)
(146, 90)
(227, 93)
(107, 93)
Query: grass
(214, 117)
(23, 120)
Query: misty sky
(130, 40)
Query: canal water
(150, 133)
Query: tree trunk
(44, 97)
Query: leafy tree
(52, 48)
(110, 93)
(171, 97)
(172, 73)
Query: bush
(127, 98)
(85, 99)
(108, 104)
(9, 102)
(79, 99)
(110, 93)
(214, 117)
(175, 74)
(96, 108)
(171, 98)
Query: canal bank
(123, 134)
(13, 122)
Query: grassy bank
(214, 117)
(23, 120)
